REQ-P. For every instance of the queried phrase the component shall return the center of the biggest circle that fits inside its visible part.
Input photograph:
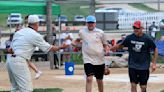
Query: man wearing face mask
(139, 47)
(93, 46)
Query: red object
(113, 42)
(137, 24)
(75, 49)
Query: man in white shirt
(93, 46)
(23, 45)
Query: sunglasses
(135, 27)
(90, 22)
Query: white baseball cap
(33, 19)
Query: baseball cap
(90, 18)
(138, 24)
(33, 19)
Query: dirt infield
(116, 82)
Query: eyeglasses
(135, 28)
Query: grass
(44, 90)
(71, 10)
(77, 58)
(3, 18)
(48, 90)
(3, 22)
(142, 7)
(158, 35)
(162, 91)
(160, 59)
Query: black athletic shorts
(96, 70)
(138, 76)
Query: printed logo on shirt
(97, 36)
(85, 43)
(138, 45)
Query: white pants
(19, 74)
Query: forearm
(55, 48)
(105, 46)
(155, 55)
(9, 51)
(115, 47)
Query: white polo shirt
(92, 46)
(26, 40)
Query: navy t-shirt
(139, 51)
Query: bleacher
(125, 20)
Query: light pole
(49, 31)
(92, 7)
(158, 5)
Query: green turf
(162, 91)
(142, 7)
(48, 90)
(70, 10)
(77, 58)
(160, 59)
(3, 19)
(44, 90)
(158, 35)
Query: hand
(106, 71)
(153, 67)
(63, 46)
(112, 49)
(107, 49)
(10, 51)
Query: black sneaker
(56, 67)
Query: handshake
(63, 46)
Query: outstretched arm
(115, 47)
(106, 48)
(56, 48)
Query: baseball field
(117, 81)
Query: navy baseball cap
(90, 18)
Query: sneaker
(38, 74)
(56, 67)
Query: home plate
(154, 78)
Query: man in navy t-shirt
(139, 47)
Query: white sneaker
(38, 74)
